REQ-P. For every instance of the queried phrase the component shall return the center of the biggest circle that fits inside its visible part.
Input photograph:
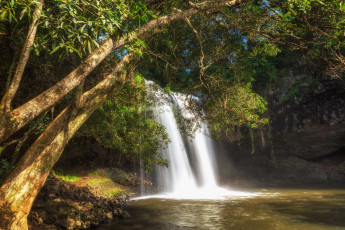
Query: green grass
(104, 183)
(100, 181)
(66, 177)
(70, 178)
(96, 181)
(114, 192)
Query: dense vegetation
(61, 60)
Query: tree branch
(34, 107)
(202, 54)
(24, 57)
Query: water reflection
(287, 209)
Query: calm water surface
(306, 209)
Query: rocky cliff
(305, 143)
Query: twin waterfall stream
(192, 171)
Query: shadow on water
(329, 210)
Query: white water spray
(178, 181)
(178, 177)
(202, 147)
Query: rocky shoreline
(63, 205)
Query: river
(266, 209)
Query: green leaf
(110, 28)
(22, 13)
(89, 46)
(10, 15)
(95, 43)
(83, 27)
(55, 49)
(3, 15)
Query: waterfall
(202, 147)
(205, 155)
(180, 180)
(178, 177)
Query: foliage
(294, 90)
(73, 27)
(315, 27)
(238, 107)
(121, 123)
(220, 71)
(167, 89)
(40, 124)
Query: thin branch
(202, 54)
(24, 57)
(159, 56)
(10, 71)
(5, 145)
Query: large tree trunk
(21, 187)
(27, 112)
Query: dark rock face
(306, 143)
(314, 127)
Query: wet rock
(53, 187)
(67, 223)
(109, 215)
(119, 176)
(77, 223)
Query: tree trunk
(21, 187)
(24, 57)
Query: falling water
(142, 177)
(178, 177)
(179, 181)
(202, 147)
